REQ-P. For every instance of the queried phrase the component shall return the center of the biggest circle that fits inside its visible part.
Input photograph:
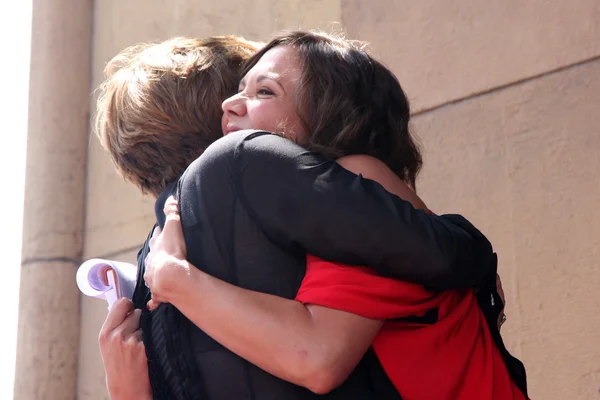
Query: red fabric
(452, 359)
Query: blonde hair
(159, 107)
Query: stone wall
(505, 97)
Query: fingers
(148, 275)
(147, 263)
(122, 322)
(171, 209)
(154, 237)
(131, 323)
(172, 228)
(152, 304)
(137, 336)
(117, 314)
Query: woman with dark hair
(330, 96)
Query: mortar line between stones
(46, 260)
(506, 85)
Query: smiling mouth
(229, 128)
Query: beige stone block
(48, 332)
(91, 379)
(120, 24)
(118, 217)
(522, 163)
(124, 23)
(445, 50)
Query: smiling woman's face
(265, 99)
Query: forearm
(276, 334)
(115, 394)
(301, 199)
(123, 353)
(337, 215)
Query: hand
(123, 353)
(502, 316)
(166, 265)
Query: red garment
(454, 358)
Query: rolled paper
(107, 279)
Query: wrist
(186, 284)
(169, 276)
(131, 393)
(133, 396)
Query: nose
(235, 105)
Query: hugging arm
(300, 198)
(312, 346)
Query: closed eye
(265, 92)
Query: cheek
(265, 116)
(294, 126)
(277, 117)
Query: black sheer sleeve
(301, 199)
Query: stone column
(59, 94)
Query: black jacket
(251, 207)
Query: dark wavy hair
(350, 103)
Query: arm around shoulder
(301, 198)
